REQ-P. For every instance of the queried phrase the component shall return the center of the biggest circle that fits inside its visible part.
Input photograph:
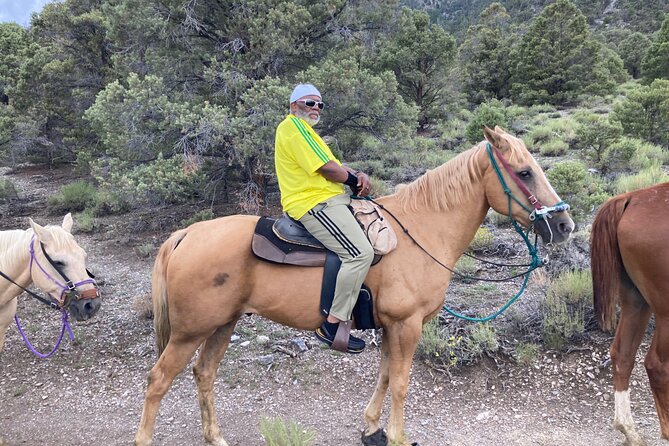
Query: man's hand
(364, 185)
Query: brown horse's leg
(205, 369)
(375, 405)
(402, 340)
(657, 366)
(634, 317)
(173, 360)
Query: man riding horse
(312, 182)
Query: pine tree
(484, 56)
(655, 64)
(556, 58)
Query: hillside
(636, 15)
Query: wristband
(352, 181)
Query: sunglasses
(311, 103)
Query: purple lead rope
(66, 325)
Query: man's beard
(312, 122)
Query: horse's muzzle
(83, 307)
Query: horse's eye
(525, 174)
(58, 263)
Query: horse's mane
(14, 244)
(12, 247)
(450, 185)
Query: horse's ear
(499, 129)
(492, 136)
(41, 233)
(68, 222)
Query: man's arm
(342, 174)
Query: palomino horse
(630, 268)
(50, 258)
(206, 277)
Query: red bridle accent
(530, 196)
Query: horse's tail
(606, 262)
(161, 316)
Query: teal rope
(533, 251)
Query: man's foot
(327, 331)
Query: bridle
(68, 292)
(540, 211)
(69, 288)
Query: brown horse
(630, 268)
(205, 278)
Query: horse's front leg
(402, 338)
(7, 312)
(375, 405)
(174, 359)
(205, 369)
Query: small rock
(299, 344)
(266, 359)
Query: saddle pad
(266, 245)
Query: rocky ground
(91, 391)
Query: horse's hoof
(378, 438)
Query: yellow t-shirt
(298, 153)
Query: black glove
(352, 182)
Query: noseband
(540, 211)
(68, 289)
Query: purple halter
(67, 289)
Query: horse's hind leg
(634, 317)
(7, 312)
(205, 369)
(174, 359)
(375, 405)
(657, 367)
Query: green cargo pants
(333, 224)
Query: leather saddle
(286, 241)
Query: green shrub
(645, 113)
(645, 178)
(577, 187)
(278, 432)
(554, 147)
(526, 353)
(86, 221)
(564, 308)
(437, 345)
(467, 267)
(648, 155)
(145, 250)
(489, 113)
(203, 215)
(481, 339)
(7, 190)
(157, 182)
(73, 197)
(483, 239)
(109, 203)
(594, 137)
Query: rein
(540, 212)
(68, 291)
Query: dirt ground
(91, 391)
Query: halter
(68, 289)
(540, 211)
(68, 292)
